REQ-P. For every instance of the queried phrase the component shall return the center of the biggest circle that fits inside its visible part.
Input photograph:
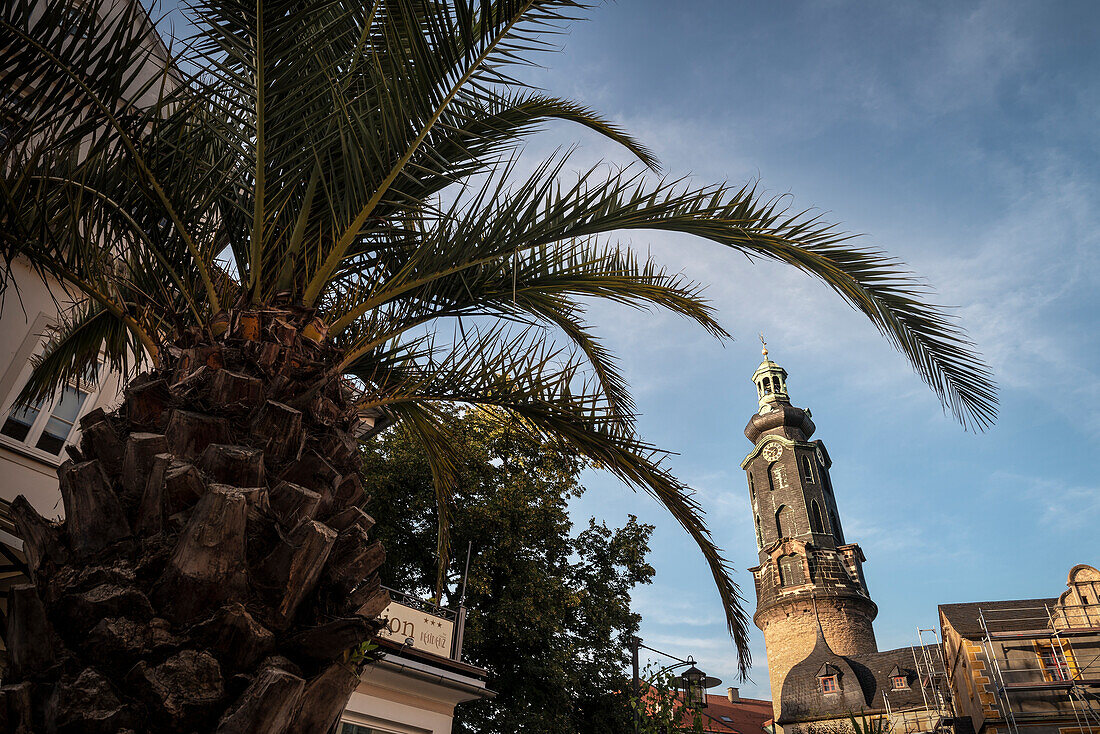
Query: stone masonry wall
(790, 631)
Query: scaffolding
(1051, 681)
(937, 714)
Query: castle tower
(803, 556)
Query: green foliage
(873, 725)
(660, 705)
(364, 159)
(549, 607)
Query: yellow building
(1028, 665)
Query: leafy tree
(661, 706)
(289, 214)
(550, 611)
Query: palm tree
(318, 212)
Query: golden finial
(763, 344)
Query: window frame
(807, 469)
(28, 445)
(1059, 668)
(827, 680)
(899, 683)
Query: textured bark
(267, 706)
(147, 403)
(350, 517)
(94, 518)
(279, 429)
(239, 466)
(323, 700)
(41, 538)
(330, 639)
(33, 646)
(293, 568)
(190, 433)
(214, 565)
(292, 504)
(233, 391)
(85, 704)
(354, 558)
(153, 511)
(98, 440)
(16, 709)
(236, 637)
(137, 463)
(207, 567)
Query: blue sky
(959, 136)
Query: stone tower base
(790, 631)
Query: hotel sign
(428, 632)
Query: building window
(790, 571)
(767, 386)
(46, 426)
(776, 480)
(759, 535)
(816, 525)
(807, 472)
(829, 684)
(900, 683)
(784, 521)
(1055, 665)
(349, 728)
(752, 488)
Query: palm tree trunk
(214, 571)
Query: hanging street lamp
(694, 686)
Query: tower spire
(771, 381)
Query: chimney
(733, 695)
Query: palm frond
(87, 339)
(548, 395)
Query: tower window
(807, 471)
(815, 518)
(784, 524)
(759, 535)
(752, 488)
(837, 532)
(767, 386)
(776, 480)
(829, 684)
(790, 571)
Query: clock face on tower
(772, 451)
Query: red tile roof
(746, 716)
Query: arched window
(807, 471)
(815, 518)
(776, 480)
(752, 488)
(759, 534)
(837, 532)
(790, 571)
(784, 521)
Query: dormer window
(829, 684)
(900, 683)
